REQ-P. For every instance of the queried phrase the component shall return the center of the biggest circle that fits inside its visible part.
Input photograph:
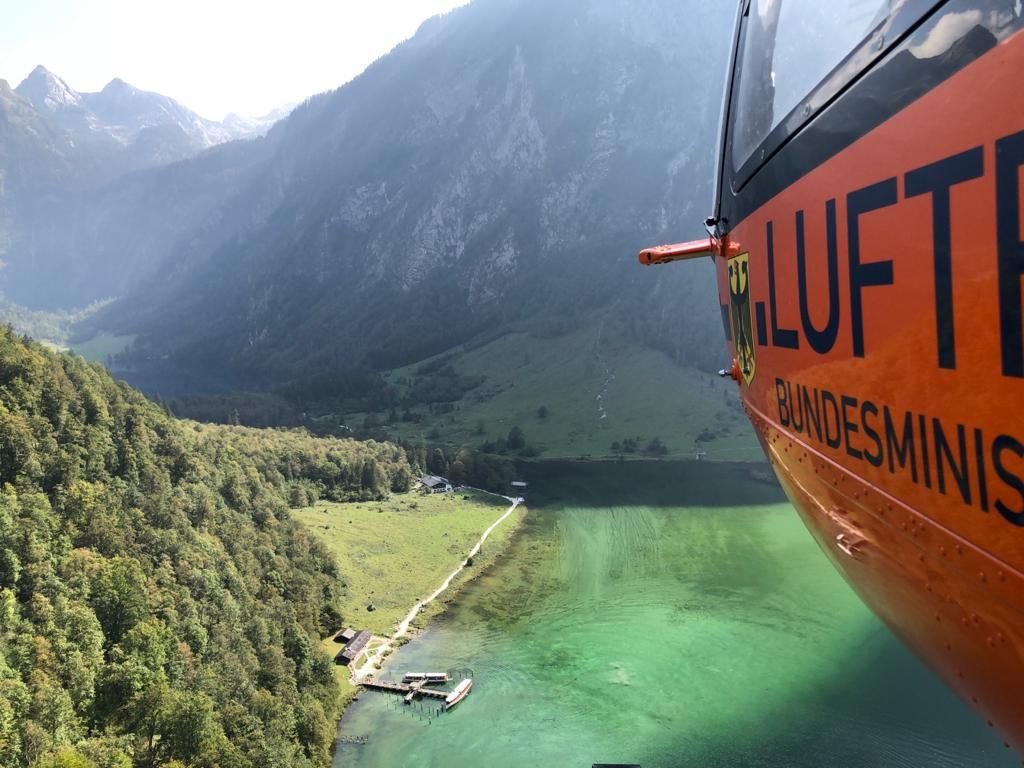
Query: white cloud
(948, 30)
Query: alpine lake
(668, 615)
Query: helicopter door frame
(735, 182)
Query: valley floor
(395, 553)
(375, 658)
(582, 394)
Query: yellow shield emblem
(740, 314)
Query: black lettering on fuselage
(796, 407)
(781, 337)
(849, 425)
(863, 275)
(1009, 159)
(944, 457)
(812, 414)
(829, 401)
(783, 402)
(1001, 445)
(874, 457)
(823, 340)
(979, 459)
(762, 324)
(933, 453)
(926, 463)
(937, 179)
(900, 448)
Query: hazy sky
(214, 56)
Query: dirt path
(367, 667)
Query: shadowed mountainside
(499, 168)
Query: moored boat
(461, 691)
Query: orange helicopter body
(869, 248)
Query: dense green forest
(158, 605)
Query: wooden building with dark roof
(435, 484)
(345, 636)
(353, 648)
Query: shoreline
(404, 630)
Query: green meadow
(392, 553)
(102, 346)
(594, 391)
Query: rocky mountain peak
(117, 86)
(47, 91)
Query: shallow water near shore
(667, 615)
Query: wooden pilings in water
(413, 690)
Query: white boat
(460, 692)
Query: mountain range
(60, 147)
(496, 172)
(124, 114)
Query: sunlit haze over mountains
(216, 58)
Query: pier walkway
(412, 690)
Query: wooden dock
(411, 690)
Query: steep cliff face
(498, 169)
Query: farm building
(353, 648)
(345, 636)
(434, 484)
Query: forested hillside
(157, 601)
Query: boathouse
(435, 484)
(345, 637)
(353, 648)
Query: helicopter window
(789, 47)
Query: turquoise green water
(667, 615)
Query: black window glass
(789, 47)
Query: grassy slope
(393, 552)
(643, 393)
(102, 346)
(53, 329)
(56, 329)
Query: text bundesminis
(981, 468)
